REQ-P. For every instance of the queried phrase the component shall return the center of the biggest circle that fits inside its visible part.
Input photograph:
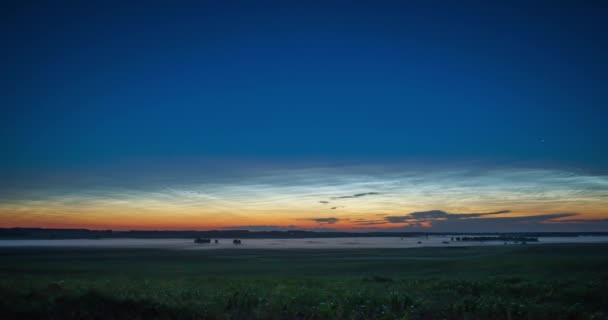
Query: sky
(466, 116)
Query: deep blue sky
(345, 115)
(89, 84)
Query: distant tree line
(43, 233)
(505, 238)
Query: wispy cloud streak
(358, 195)
(285, 196)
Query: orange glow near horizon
(330, 201)
(116, 219)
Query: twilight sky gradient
(378, 115)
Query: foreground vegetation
(506, 282)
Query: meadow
(502, 282)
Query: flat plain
(560, 281)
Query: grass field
(504, 282)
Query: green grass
(504, 282)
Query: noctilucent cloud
(382, 115)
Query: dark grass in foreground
(505, 282)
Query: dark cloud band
(358, 195)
